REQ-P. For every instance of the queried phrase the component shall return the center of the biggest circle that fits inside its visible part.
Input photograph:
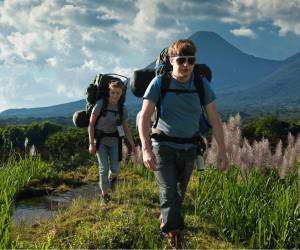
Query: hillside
(230, 66)
(281, 88)
(66, 109)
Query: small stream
(35, 209)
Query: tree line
(57, 142)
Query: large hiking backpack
(142, 78)
(98, 89)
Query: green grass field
(222, 210)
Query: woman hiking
(108, 123)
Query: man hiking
(175, 138)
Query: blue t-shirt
(180, 111)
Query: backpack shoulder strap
(121, 110)
(165, 84)
(165, 81)
(103, 108)
(200, 88)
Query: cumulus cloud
(283, 14)
(77, 38)
(35, 30)
(246, 32)
(24, 89)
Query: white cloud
(92, 65)
(284, 14)
(142, 26)
(68, 41)
(52, 61)
(246, 32)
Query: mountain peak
(206, 34)
(213, 41)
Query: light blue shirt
(180, 111)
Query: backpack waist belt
(99, 135)
(161, 136)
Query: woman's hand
(92, 149)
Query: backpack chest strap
(182, 91)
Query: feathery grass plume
(262, 155)
(299, 176)
(238, 156)
(125, 152)
(139, 155)
(288, 160)
(257, 155)
(232, 136)
(277, 156)
(33, 151)
(291, 140)
(212, 152)
(26, 143)
(297, 147)
(246, 156)
(133, 157)
(266, 154)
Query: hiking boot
(106, 198)
(175, 239)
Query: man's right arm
(144, 132)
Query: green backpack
(99, 89)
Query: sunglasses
(185, 59)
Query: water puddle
(35, 209)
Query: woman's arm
(91, 131)
(218, 133)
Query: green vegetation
(270, 127)
(28, 177)
(14, 175)
(254, 210)
(222, 211)
(51, 141)
(254, 205)
(129, 221)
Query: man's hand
(223, 163)
(149, 159)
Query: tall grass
(258, 155)
(255, 210)
(14, 175)
(257, 202)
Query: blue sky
(50, 50)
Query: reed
(259, 211)
(14, 175)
